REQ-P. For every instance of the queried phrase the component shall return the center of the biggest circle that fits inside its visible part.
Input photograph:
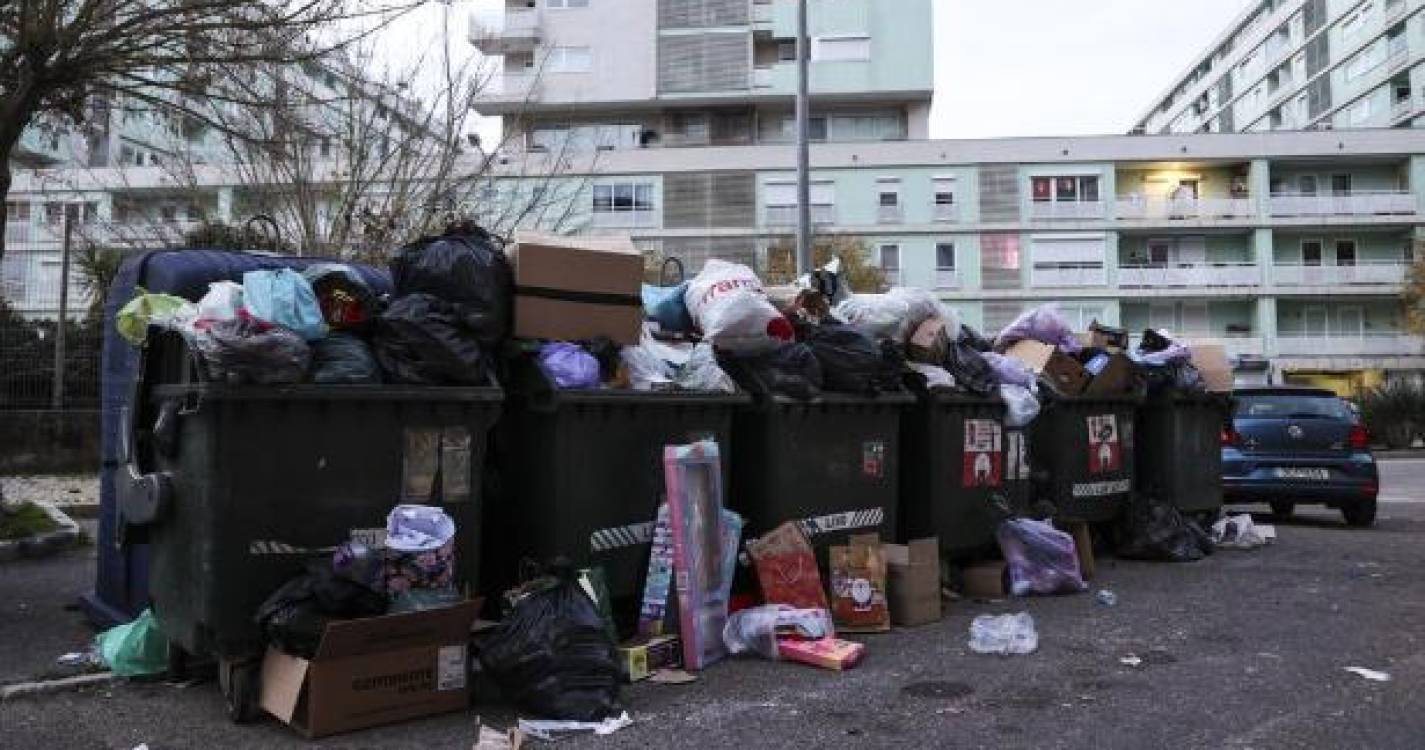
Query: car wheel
(1282, 509)
(1362, 514)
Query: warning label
(984, 459)
(1105, 447)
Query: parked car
(1288, 446)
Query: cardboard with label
(914, 582)
(571, 289)
(640, 658)
(1063, 373)
(373, 671)
(1211, 362)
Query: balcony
(762, 12)
(947, 278)
(1402, 108)
(1374, 203)
(1361, 344)
(889, 215)
(1065, 210)
(1068, 276)
(1390, 273)
(1244, 274)
(515, 89)
(762, 78)
(786, 216)
(1397, 54)
(513, 31)
(946, 212)
(1137, 207)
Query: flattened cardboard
(610, 269)
(1211, 362)
(1062, 372)
(913, 572)
(985, 580)
(1083, 544)
(1117, 377)
(373, 671)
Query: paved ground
(1241, 650)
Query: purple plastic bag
(1044, 324)
(569, 366)
(1042, 559)
(1010, 371)
(1175, 354)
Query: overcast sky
(1013, 67)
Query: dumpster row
(845, 414)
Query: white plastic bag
(896, 314)
(935, 377)
(1004, 634)
(1020, 405)
(755, 629)
(728, 304)
(702, 373)
(418, 528)
(1237, 532)
(222, 302)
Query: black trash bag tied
(1152, 529)
(853, 362)
(295, 616)
(792, 370)
(424, 340)
(246, 350)
(344, 359)
(971, 370)
(466, 270)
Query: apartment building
(1304, 64)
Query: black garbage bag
(347, 301)
(466, 270)
(972, 372)
(247, 350)
(1155, 530)
(791, 370)
(1166, 380)
(853, 362)
(552, 655)
(294, 617)
(973, 339)
(423, 340)
(343, 359)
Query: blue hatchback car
(1288, 446)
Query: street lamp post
(804, 240)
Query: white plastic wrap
(702, 373)
(935, 377)
(222, 302)
(1004, 634)
(896, 314)
(729, 306)
(1020, 404)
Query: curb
(48, 543)
(24, 689)
(91, 510)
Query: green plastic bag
(135, 648)
(134, 318)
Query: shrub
(1394, 413)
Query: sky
(1004, 67)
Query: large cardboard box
(1211, 361)
(1059, 370)
(571, 289)
(373, 671)
(914, 581)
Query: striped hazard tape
(270, 547)
(855, 519)
(619, 537)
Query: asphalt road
(1243, 650)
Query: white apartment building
(1304, 64)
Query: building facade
(1304, 64)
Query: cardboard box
(640, 658)
(914, 582)
(572, 289)
(1118, 377)
(827, 653)
(985, 580)
(1062, 372)
(929, 343)
(1083, 544)
(1107, 338)
(1211, 361)
(373, 671)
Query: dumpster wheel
(238, 679)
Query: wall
(1379, 316)
(622, 36)
(1374, 246)
(49, 442)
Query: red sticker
(984, 458)
(1105, 449)
(873, 459)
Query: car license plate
(1313, 475)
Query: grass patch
(28, 520)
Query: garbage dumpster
(236, 486)
(955, 462)
(121, 578)
(1082, 449)
(1179, 449)
(579, 474)
(832, 464)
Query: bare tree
(855, 254)
(59, 57)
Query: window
(816, 128)
(781, 199)
(1366, 61)
(944, 191)
(54, 214)
(1340, 184)
(841, 49)
(890, 258)
(1361, 112)
(1081, 189)
(191, 212)
(169, 214)
(569, 60)
(1311, 252)
(17, 212)
(326, 147)
(1306, 184)
(890, 194)
(1345, 252)
(787, 51)
(945, 256)
(1159, 252)
(623, 204)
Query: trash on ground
(827, 653)
(640, 658)
(786, 568)
(1004, 634)
(1153, 529)
(489, 738)
(1237, 532)
(135, 648)
(1131, 660)
(672, 677)
(1369, 674)
(913, 582)
(759, 629)
(1107, 598)
(550, 731)
(858, 586)
(704, 572)
(1041, 559)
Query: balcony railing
(779, 216)
(1140, 207)
(889, 215)
(1380, 344)
(1367, 272)
(1244, 274)
(1402, 108)
(1068, 277)
(515, 88)
(947, 212)
(1397, 54)
(947, 278)
(762, 78)
(513, 30)
(1374, 203)
(1066, 210)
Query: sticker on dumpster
(450, 666)
(1102, 489)
(618, 537)
(983, 457)
(857, 519)
(873, 458)
(1017, 462)
(1105, 450)
(374, 537)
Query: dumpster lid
(312, 392)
